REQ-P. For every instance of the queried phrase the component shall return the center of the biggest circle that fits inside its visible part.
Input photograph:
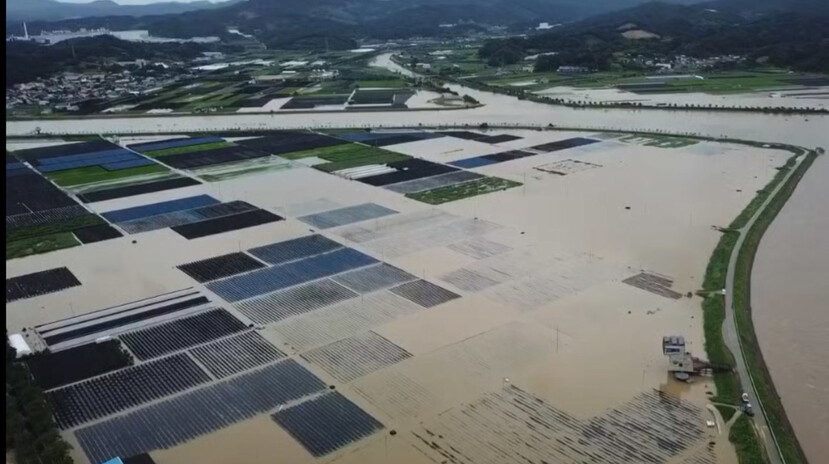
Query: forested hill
(275, 21)
(785, 36)
(26, 61)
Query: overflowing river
(792, 267)
(790, 309)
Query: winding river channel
(789, 301)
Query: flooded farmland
(443, 329)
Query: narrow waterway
(791, 312)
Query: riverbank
(768, 398)
(715, 311)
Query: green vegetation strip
(41, 244)
(660, 141)
(464, 190)
(763, 384)
(187, 149)
(346, 149)
(48, 229)
(93, 174)
(746, 443)
(371, 156)
(30, 430)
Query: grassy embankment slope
(743, 435)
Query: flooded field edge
(701, 138)
(728, 384)
(783, 432)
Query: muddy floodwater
(790, 308)
(551, 331)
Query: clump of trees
(30, 429)
(502, 52)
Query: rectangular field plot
(137, 189)
(286, 142)
(347, 215)
(203, 411)
(183, 217)
(468, 280)
(354, 357)
(305, 208)
(137, 212)
(236, 354)
(373, 278)
(294, 301)
(479, 248)
(60, 368)
(424, 239)
(406, 170)
(424, 293)
(654, 283)
(327, 423)
(397, 395)
(34, 154)
(159, 221)
(343, 320)
(219, 267)
(181, 333)
(97, 233)
(465, 190)
(564, 144)
(465, 135)
(287, 275)
(226, 224)
(294, 249)
(428, 183)
(173, 143)
(40, 283)
(518, 427)
(133, 386)
(568, 166)
(493, 139)
(43, 217)
(198, 159)
(89, 328)
(394, 225)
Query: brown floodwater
(791, 312)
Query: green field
(42, 244)
(329, 153)
(49, 229)
(348, 155)
(464, 190)
(187, 149)
(383, 84)
(92, 174)
(661, 141)
(371, 156)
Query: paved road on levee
(732, 339)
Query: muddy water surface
(791, 311)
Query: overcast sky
(137, 2)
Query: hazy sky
(137, 2)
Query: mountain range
(51, 10)
(277, 20)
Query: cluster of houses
(64, 90)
